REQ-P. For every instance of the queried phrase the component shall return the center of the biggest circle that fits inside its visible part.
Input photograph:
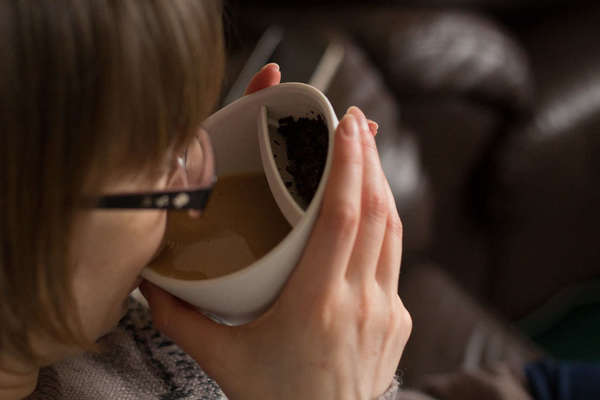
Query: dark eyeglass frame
(182, 199)
(164, 200)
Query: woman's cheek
(114, 247)
(154, 240)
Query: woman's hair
(89, 89)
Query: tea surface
(240, 224)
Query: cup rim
(326, 109)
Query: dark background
(489, 114)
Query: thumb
(200, 337)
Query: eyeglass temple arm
(173, 200)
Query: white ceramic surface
(242, 296)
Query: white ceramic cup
(242, 296)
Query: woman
(99, 98)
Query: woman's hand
(338, 329)
(269, 75)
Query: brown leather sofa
(489, 117)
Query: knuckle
(403, 319)
(370, 312)
(342, 217)
(395, 225)
(407, 325)
(351, 158)
(323, 314)
(327, 308)
(406, 319)
(349, 153)
(369, 144)
(375, 205)
(399, 322)
(371, 154)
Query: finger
(388, 267)
(184, 325)
(374, 208)
(328, 250)
(269, 75)
(373, 127)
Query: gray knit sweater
(137, 362)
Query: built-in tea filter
(294, 152)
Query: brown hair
(88, 88)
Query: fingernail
(269, 64)
(360, 117)
(373, 127)
(349, 126)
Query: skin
(337, 330)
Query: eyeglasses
(188, 187)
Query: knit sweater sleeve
(135, 361)
(395, 392)
(138, 362)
